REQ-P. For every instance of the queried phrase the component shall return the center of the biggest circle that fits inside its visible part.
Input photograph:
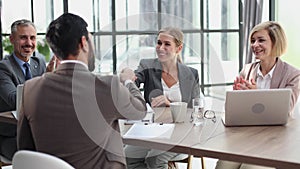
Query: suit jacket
(284, 76)
(149, 72)
(77, 114)
(11, 75)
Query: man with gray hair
(15, 69)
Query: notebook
(257, 107)
(151, 130)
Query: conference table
(274, 146)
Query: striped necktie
(27, 71)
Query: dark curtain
(252, 15)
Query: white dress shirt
(173, 93)
(264, 82)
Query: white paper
(15, 114)
(149, 109)
(152, 130)
(149, 118)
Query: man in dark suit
(12, 73)
(12, 69)
(77, 114)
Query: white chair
(24, 159)
(4, 161)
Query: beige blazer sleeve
(128, 99)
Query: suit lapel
(157, 74)
(16, 69)
(280, 72)
(34, 67)
(253, 71)
(185, 81)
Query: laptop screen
(18, 100)
(257, 107)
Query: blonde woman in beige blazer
(284, 76)
(268, 43)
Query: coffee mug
(178, 111)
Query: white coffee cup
(178, 110)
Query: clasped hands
(241, 84)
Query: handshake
(127, 74)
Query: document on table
(151, 130)
(15, 114)
(149, 118)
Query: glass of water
(198, 110)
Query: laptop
(18, 100)
(257, 107)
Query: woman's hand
(241, 84)
(161, 100)
(237, 83)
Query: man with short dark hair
(77, 115)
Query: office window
(215, 39)
(174, 12)
(125, 31)
(43, 15)
(221, 62)
(12, 10)
(284, 11)
(44, 11)
(83, 9)
(104, 60)
(136, 15)
(221, 14)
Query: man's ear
(84, 44)
(11, 39)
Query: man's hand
(53, 63)
(127, 74)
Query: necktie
(27, 71)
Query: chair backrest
(4, 161)
(25, 159)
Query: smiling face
(261, 45)
(166, 48)
(24, 41)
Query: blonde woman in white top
(166, 79)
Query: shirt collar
(270, 73)
(74, 61)
(19, 61)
